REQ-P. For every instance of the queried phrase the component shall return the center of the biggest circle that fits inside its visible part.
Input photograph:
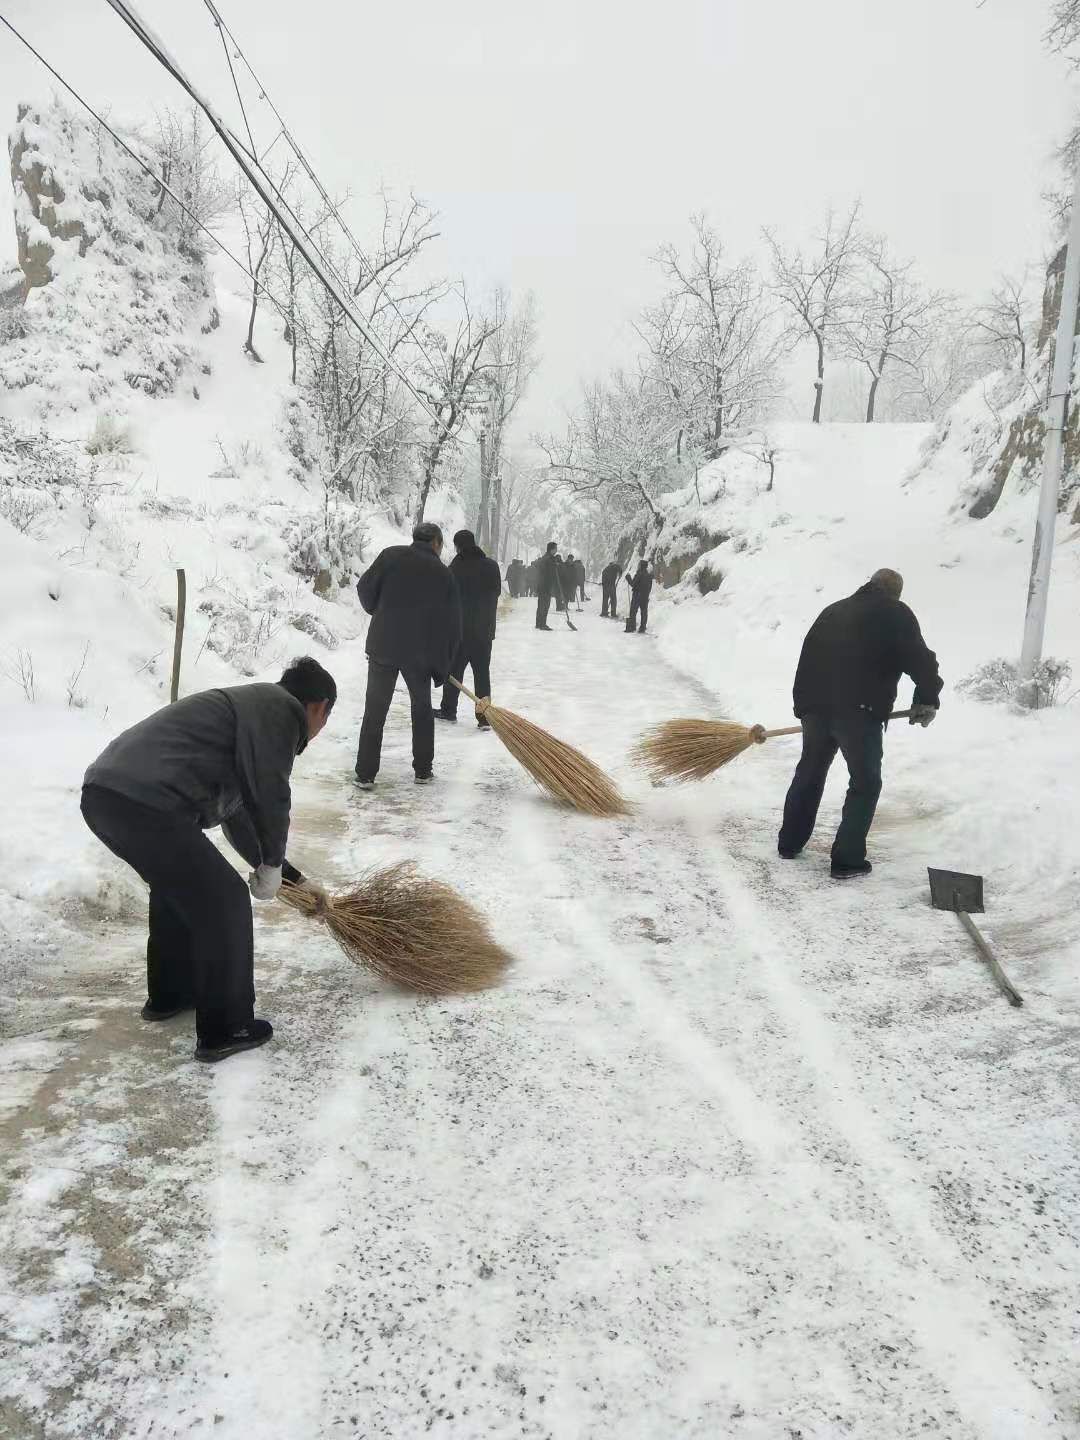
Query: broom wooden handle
(485, 703)
(797, 729)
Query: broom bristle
(692, 749)
(557, 767)
(414, 932)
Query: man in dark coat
(415, 630)
(609, 579)
(640, 589)
(515, 577)
(579, 581)
(479, 588)
(548, 585)
(845, 690)
(222, 757)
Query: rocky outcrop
(39, 200)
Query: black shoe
(248, 1036)
(483, 724)
(365, 784)
(428, 779)
(543, 627)
(151, 1012)
(442, 715)
(787, 854)
(851, 872)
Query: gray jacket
(222, 757)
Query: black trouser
(201, 949)
(477, 655)
(611, 602)
(638, 607)
(381, 680)
(543, 605)
(858, 736)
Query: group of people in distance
(550, 578)
(224, 757)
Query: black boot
(851, 872)
(217, 1045)
(151, 1012)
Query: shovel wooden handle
(797, 729)
(1008, 989)
(485, 702)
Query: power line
(308, 168)
(269, 195)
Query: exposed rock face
(39, 197)
(1021, 452)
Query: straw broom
(558, 768)
(693, 749)
(411, 931)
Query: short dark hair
(427, 534)
(308, 682)
(465, 540)
(552, 545)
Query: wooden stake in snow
(178, 641)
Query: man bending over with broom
(223, 757)
(845, 689)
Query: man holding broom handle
(845, 690)
(609, 579)
(415, 631)
(479, 588)
(548, 584)
(223, 757)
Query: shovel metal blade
(953, 890)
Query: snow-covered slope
(136, 438)
(984, 789)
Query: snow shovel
(953, 890)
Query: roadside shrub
(109, 437)
(997, 682)
(707, 579)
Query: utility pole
(482, 517)
(1057, 414)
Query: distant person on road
(479, 588)
(531, 572)
(609, 579)
(568, 575)
(579, 580)
(515, 574)
(845, 690)
(415, 630)
(640, 589)
(222, 757)
(548, 584)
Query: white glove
(265, 882)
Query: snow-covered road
(735, 1152)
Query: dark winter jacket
(223, 757)
(548, 578)
(579, 574)
(856, 651)
(415, 610)
(567, 578)
(609, 576)
(479, 587)
(641, 585)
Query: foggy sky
(563, 142)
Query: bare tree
(1004, 322)
(454, 380)
(948, 365)
(617, 445)
(891, 319)
(1063, 33)
(364, 414)
(815, 289)
(261, 234)
(183, 152)
(511, 355)
(712, 339)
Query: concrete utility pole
(1057, 411)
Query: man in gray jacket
(222, 757)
